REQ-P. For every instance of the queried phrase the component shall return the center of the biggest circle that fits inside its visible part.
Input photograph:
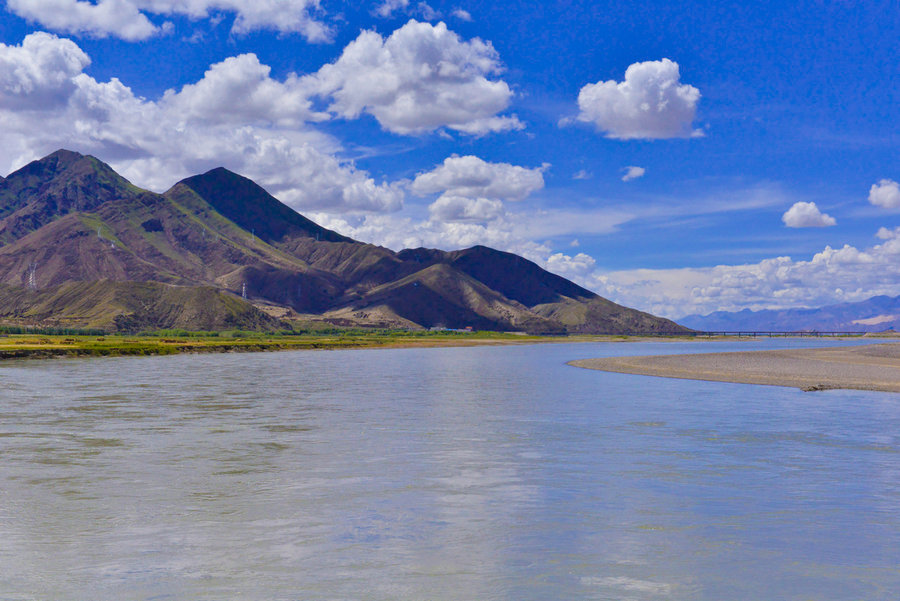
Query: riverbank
(870, 367)
(37, 346)
(46, 346)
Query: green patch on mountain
(131, 307)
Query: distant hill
(876, 314)
(81, 246)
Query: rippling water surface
(459, 474)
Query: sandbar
(869, 367)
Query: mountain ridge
(70, 219)
(875, 314)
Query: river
(482, 473)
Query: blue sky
(749, 158)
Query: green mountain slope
(131, 306)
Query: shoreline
(37, 346)
(49, 346)
(869, 367)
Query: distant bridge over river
(755, 334)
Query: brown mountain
(76, 235)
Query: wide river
(440, 474)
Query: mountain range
(81, 246)
(875, 314)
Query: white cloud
(304, 177)
(40, 73)
(397, 232)
(651, 103)
(886, 194)
(239, 89)
(573, 268)
(807, 214)
(427, 12)
(462, 15)
(48, 102)
(633, 172)
(120, 18)
(387, 8)
(421, 78)
(583, 174)
(472, 189)
(460, 208)
(471, 177)
(831, 276)
(285, 16)
(127, 19)
(886, 234)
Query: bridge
(756, 333)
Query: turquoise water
(467, 473)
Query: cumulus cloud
(127, 19)
(471, 176)
(472, 189)
(39, 74)
(886, 194)
(886, 234)
(573, 268)
(120, 18)
(633, 172)
(47, 102)
(807, 214)
(651, 103)
(304, 177)
(421, 78)
(240, 89)
(582, 174)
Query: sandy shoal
(870, 367)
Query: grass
(170, 342)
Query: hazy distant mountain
(876, 314)
(82, 246)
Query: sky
(677, 158)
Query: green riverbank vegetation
(21, 342)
